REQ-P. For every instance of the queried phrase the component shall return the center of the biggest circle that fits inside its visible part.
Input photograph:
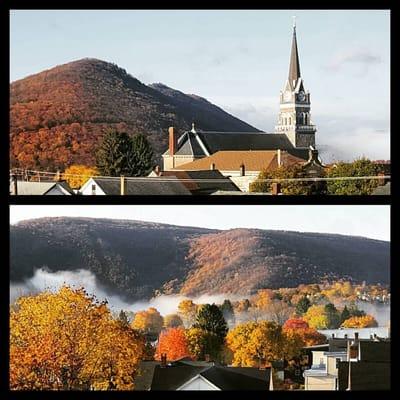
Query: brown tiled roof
(256, 160)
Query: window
(93, 189)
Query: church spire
(294, 70)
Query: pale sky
(237, 59)
(358, 220)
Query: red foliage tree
(173, 342)
(295, 323)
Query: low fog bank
(166, 304)
(44, 280)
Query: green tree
(360, 167)
(114, 156)
(333, 316)
(289, 187)
(119, 154)
(345, 314)
(303, 305)
(210, 319)
(142, 156)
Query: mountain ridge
(58, 116)
(137, 260)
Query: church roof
(193, 143)
(257, 160)
(294, 69)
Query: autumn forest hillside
(138, 260)
(58, 116)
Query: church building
(294, 135)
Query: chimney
(262, 363)
(212, 166)
(58, 176)
(207, 358)
(163, 360)
(173, 141)
(279, 157)
(242, 170)
(276, 188)
(123, 185)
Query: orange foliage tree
(366, 321)
(76, 175)
(69, 341)
(173, 343)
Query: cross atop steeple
(294, 69)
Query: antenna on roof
(294, 21)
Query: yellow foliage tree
(187, 310)
(76, 175)
(148, 321)
(252, 341)
(316, 317)
(366, 321)
(69, 341)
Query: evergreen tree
(345, 314)
(210, 319)
(115, 154)
(333, 316)
(142, 156)
(303, 305)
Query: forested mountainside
(58, 116)
(138, 260)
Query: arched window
(285, 121)
(305, 119)
(290, 120)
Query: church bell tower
(294, 115)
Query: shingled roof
(203, 143)
(257, 160)
(140, 186)
(203, 181)
(175, 375)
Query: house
(187, 375)
(295, 132)
(369, 361)
(51, 188)
(200, 182)
(243, 167)
(169, 185)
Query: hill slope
(138, 259)
(59, 115)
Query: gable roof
(39, 188)
(142, 186)
(257, 160)
(189, 143)
(180, 373)
(203, 181)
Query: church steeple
(294, 116)
(294, 69)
